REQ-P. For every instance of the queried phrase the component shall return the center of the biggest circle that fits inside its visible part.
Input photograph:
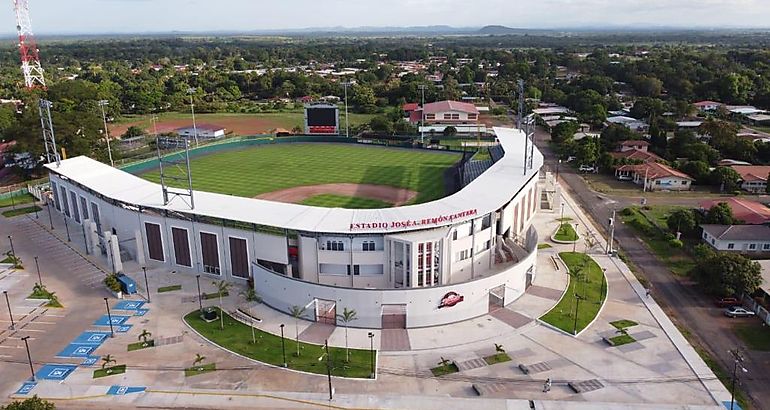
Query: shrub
(669, 236)
(112, 283)
(675, 243)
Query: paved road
(688, 308)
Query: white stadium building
(428, 264)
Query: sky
(140, 16)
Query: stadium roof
(486, 194)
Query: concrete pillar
(93, 238)
(108, 247)
(140, 259)
(115, 251)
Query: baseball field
(321, 174)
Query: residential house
(744, 210)
(707, 105)
(634, 145)
(654, 176)
(753, 177)
(636, 155)
(442, 114)
(628, 122)
(747, 239)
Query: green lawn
(17, 200)
(170, 288)
(443, 370)
(256, 170)
(140, 345)
(622, 324)
(200, 369)
(21, 211)
(497, 358)
(621, 340)
(110, 371)
(566, 233)
(756, 336)
(237, 337)
(586, 280)
(341, 201)
(215, 295)
(543, 246)
(677, 260)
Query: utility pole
(738, 363)
(29, 357)
(192, 91)
(10, 314)
(102, 104)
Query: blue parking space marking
(75, 350)
(141, 312)
(727, 405)
(116, 320)
(123, 328)
(129, 305)
(26, 388)
(123, 390)
(91, 338)
(90, 361)
(57, 372)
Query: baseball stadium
(407, 237)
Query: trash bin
(209, 314)
(127, 285)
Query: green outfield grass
(257, 170)
(341, 201)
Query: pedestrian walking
(547, 385)
(648, 292)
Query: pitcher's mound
(393, 195)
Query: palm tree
(198, 361)
(143, 336)
(444, 362)
(251, 295)
(347, 316)
(222, 288)
(106, 360)
(499, 348)
(297, 312)
(39, 289)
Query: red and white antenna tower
(30, 55)
(33, 75)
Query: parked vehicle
(586, 168)
(570, 158)
(727, 302)
(737, 311)
(624, 178)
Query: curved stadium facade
(413, 266)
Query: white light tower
(102, 104)
(422, 114)
(192, 92)
(346, 84)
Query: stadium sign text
(413, 222)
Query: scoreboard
(322, 119)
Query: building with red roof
(753, 177)
(707, 105)
(748, 211)
(654, 176)
(634, 145)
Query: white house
(753, 177)
(628, 122)
(654, 176)
(203, 131)
(738, 238)
(707, 105)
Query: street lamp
(102, 104)
(612, 233)
(346, 84)
(13, 252)
(422, 114)
(146, 284)
(557, 171)
(283, 346)
(39, 278)
(371, 353)
(738, 358)
(29, 357)
(328, 367)
(7, 302)
(109, 317)
(577, 310)
(200, 302)
(192, 92)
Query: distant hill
(496, 30)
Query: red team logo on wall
(450, 299)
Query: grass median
(237, 337)
(566, 233)
(586, 281)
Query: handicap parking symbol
(96, 337)
(123, 329)
(90, 361)
(26, 388)
(82, 351)
(57, 373)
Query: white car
(586, 168)
(737, 311)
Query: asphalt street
(685, 304)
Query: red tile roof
(410, 107)
(4, 146)
(706, 102)
(752, 172)
(635, 154)
(444, 106)
(748, 211)
(655, 170)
